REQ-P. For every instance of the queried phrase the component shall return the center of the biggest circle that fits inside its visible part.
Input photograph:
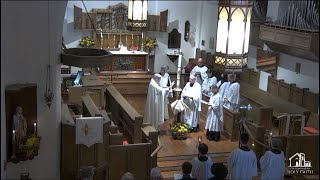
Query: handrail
(251, 136)
(157, 149)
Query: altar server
(165, 82)
(154, 110)
(191, 95)
(223, 84)
(232, 94)
(242, 161)
(201, 165)
(199, 71)
(214, 122)
(272, 163)
(208, 83)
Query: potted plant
(179, 130)
(151, 43)
(87, 42)
(31, 146)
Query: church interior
(75, 98)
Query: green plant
(87, 41)
(179, 129)
(31, 145)
(151, 42)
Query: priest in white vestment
(166, 82)
(214, 123)
(232, 94)
(154, 110)
(272, 163)
(242, 162)
(201, 165)
(191, 96)
(208, 83)
(199, 71)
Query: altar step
(171, 165)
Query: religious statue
(19, 125)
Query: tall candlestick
(114, 41)
(35, 127)
(132, 36)
(13, 144)
(179, 71)
(101, 39)
(142, 35)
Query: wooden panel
(230, 125)
(153, 23)
(134, 158)
(174, 39)
(266, 116)
(254, 78)
(284, 90)
(68, 152)
(87, 23)
(210, 60)
(163, 21)
(90, 106)
(296, 95)
(245, 75)
(310, 101)
(258, 133)
(204, 56)
(77, 17)
(273, 86)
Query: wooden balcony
(297, 42)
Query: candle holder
(13, 156)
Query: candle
(179, 70)
(131, 36)
(13, 135)
(108, 35)
(35, 127)
(142, 35)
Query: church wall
(26, 39)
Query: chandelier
(233, 35)
(137, 14)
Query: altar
(124, 60)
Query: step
(190, 156)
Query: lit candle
(13, 135)
(142, 35)
(35, 127)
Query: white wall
(26, 39)
(308, 76)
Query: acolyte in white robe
(201, 169)
(272, 165)
(166, 82)
(215, 111)
(154, 110)
(203, 72)
(208, 83)
(222, 89)
(191, 115)
(242, 164)
(233, 96)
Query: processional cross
(86, 129)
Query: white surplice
(242, 164)
(191, 114)
(201, 169)
(203, 72)
(214, 121)
(166, 82)
(154, 110)
(208, 83)
(222, 89)
(272, 165)
(233, 96)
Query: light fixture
(233, 34)
(137, 14)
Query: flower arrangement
(87, 41)
(151, 42)
(179, 129)
(31, 145)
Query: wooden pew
(124, 114)
(279, 105)
(89, 107)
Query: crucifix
(86, 129)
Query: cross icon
(86, 129)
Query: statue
(19, 125)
